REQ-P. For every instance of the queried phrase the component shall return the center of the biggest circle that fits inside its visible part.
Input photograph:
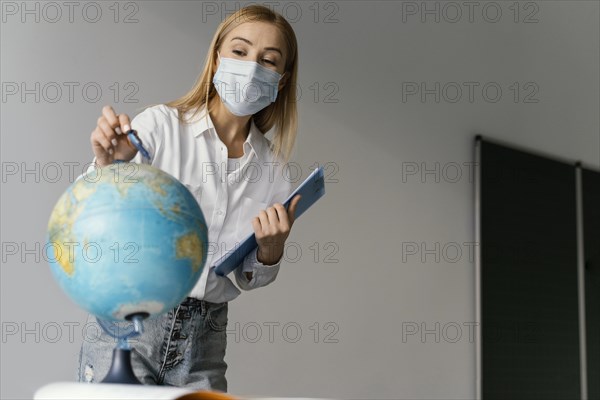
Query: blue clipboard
(311, 190)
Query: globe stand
(121, 370)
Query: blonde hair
(282, 113)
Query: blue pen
(137, 142)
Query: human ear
(217, 60)
(283, 80)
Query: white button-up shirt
(196, 156)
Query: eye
(241, 53)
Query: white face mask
(245, 87)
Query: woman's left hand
(271, 228)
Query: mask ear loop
(206, 105)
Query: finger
(107, 130)
(292, 208)
(257, 227)
(124, 122)
(282, 215)
(99, 139)
(109, 114)
(273, 217)
(264, 221)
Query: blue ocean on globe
(127, 239)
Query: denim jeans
(184, 347)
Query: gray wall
(401, 239)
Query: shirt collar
(202, 123)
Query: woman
(212, 140)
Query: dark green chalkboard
(528, 282)
(591, 229)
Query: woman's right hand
(109, 139)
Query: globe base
(121, 370)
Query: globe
(126, 239)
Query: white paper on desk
(114, 391)
(108, 391)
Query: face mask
(245, 87)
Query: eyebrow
(250, 43)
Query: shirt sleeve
(262, 274)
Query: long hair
(281, 114)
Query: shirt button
(219, 212)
